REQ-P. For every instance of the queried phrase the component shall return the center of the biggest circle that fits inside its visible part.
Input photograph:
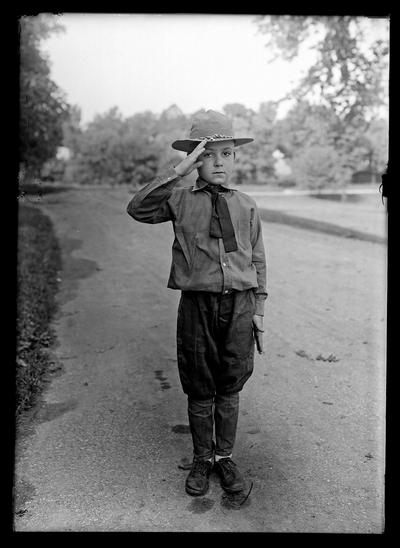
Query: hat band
(216, 136)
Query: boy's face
(218, 162)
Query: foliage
(39, 260)
(318, 146)
(350, 67)
(172, 124)
(316, 167)
(53, 170)
(324, 150)
(42, 104)
(113, 151)
(375, 142)
(254, 162)
(331, 131)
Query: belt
(228, 291)
(222, 293)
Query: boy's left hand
(258, 322)
(258, 325)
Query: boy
(218, 263)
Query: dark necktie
(221, 224)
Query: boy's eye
(227, 153)
(206, 154)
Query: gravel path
(103, 448)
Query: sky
(141, 62)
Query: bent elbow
(134, 212)
(139, 215)
(131, 210)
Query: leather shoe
(231, 479)
(197, 482)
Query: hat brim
(187, 145)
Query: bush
(39, 260)
(317, 166)
(53, 170)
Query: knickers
(215, 344)
(215, 348)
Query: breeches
(215, 345)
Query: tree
(262, 128)
(113, 150)
(349, 71)
(316, 166)
(320, 149)
(339, 99)
(375, 142)
(43, 107)
(72, 129)
(254, 162)
(170, 126)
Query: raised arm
(150, 204)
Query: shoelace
(199, 466)
(227, 465)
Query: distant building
(63, 153)
(365, 176)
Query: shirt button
(226, 291)
(223, 264)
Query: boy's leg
(195, 346)
(236, 351)
(226, 419)
(201, 423)
(201, 426)
(237, 358)
(195, 350)
(235, 342)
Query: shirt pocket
(244, 233)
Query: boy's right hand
(190, 162)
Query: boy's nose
(217, 161)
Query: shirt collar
(200, 184)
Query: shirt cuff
(260, 303)
(169, 175)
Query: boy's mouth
(218, 172)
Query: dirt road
(106, 442)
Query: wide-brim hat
(210, 125)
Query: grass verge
(274, 216)
(39, 260)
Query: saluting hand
(190, 162)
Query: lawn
(363, 214)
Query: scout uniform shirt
(199, 261)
